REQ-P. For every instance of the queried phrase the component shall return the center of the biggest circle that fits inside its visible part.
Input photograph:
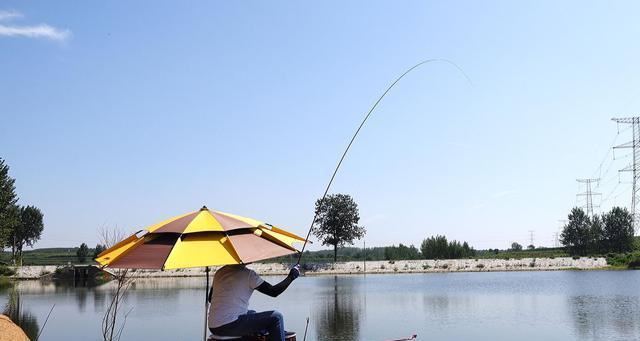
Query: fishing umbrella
(200, 239)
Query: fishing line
(344, 154)
(45, 322)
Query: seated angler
(229, 297)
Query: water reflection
(597, 317)
(81, 299)
(99, 299)
(19, 315)
(337, 314)
(592, 305)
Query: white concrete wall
(406, 266)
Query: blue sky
(123, 114)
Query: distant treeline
(436, 247)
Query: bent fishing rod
(344, 154)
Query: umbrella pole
(206, 303)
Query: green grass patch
(630, 260)
(535, 253)
(48, 256)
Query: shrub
(5, 282)
(634, 263)
(480, 266)
(623, 259)
(6, 271)
(426, 266)
(444, 266)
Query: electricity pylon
(588, 194)
(634, 144)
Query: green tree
(337, 221)
(401, 252)
(8, 208)
(439, 248)
(618, 230)
(82, 252)
(596, 235)
(467, 251)
(98, 250)
(575, 235)
(435, 247)
(516, 247)
(27, 231)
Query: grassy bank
(48, 256)
(5, 272)
(67, 255)
(535, 253)
(629, 260)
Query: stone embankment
(374, 267)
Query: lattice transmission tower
(634, 144)
(588, 194)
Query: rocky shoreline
(372, 267)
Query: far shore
(370, 267)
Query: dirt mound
(9, 331)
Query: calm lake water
(562, 305)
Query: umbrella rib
(233, 247)
(275, 240)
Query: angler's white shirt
(232, 289)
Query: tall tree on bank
(8, 208)
(618, 230)
(337, 221)
(439, 248)
(27, 231)
(82, 253)
(596, 235)
(576, 235)
(516, 246)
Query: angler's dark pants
(252, 323)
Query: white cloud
(8, 15)
(38, 31)
(30, 31)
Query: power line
(611, 193)
(598, 171)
